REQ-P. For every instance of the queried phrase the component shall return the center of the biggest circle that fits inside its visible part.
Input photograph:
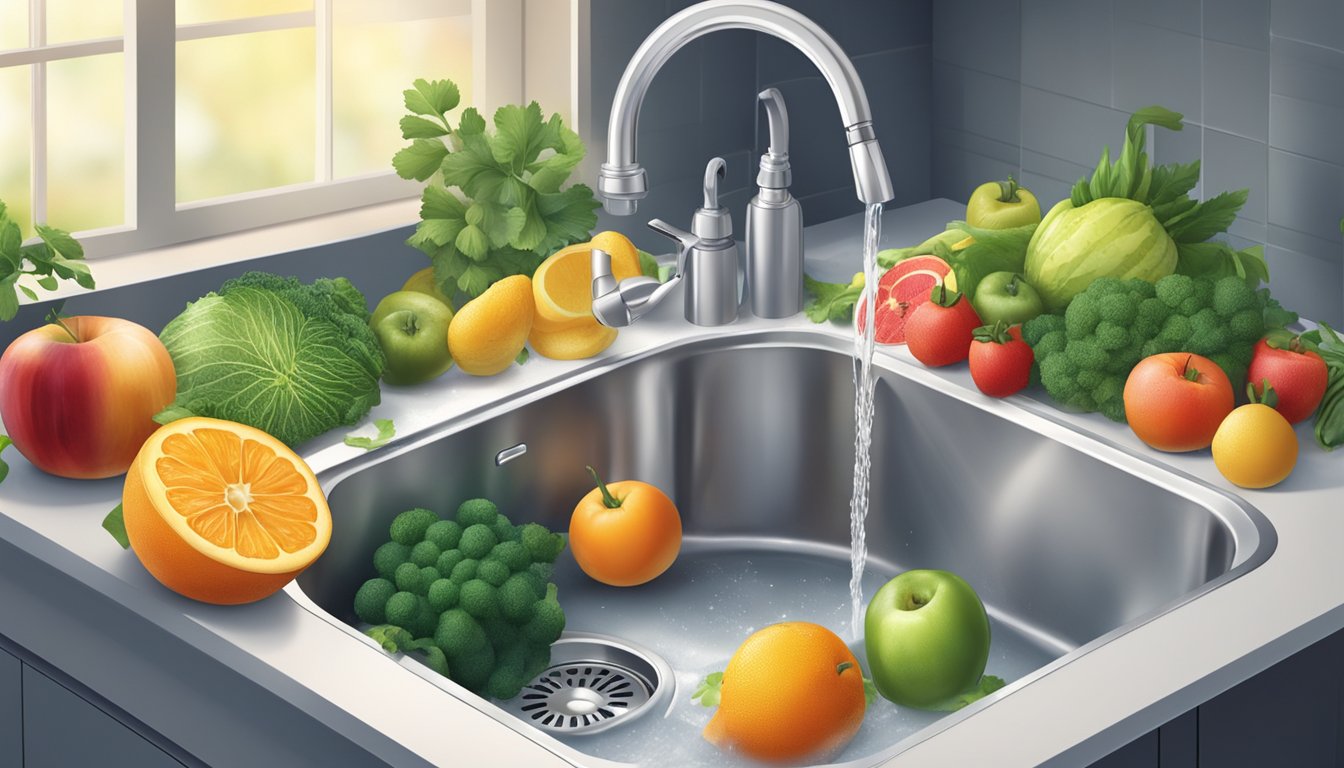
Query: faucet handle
(617, 305)
(685, 240)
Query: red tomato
(1176, 400)
(1297, 375)
(1000, 360)
(939, 335)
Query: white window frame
(153, 217)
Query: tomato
(1176, 400)
(1000, 360)
(939, 331)
(625, 533)
(1298, 375)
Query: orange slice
(563, 284)
(222, 512)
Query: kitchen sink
(1069, 540)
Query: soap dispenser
(775, 224)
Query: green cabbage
(291, 359)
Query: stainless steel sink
(1070, 541)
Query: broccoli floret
(443, 595)
(500, 633)
(1110, 336)
(1117, 309)
(1232, 295)
(542, 572)
(472, 670)
(390, 555)
(371, 600)
(425, 554)
(409, 527)
(518, 597)
(1081, 317)
(426, 618)
(512, 554)
(448, 561)
(479, 599)
(477, 541)
(476, 512)
(1207, 333)
(1247, 326)
(503, 529)
(541, 545)
(548, 620)
(407, 578)
(492, 572)
(458, 634)
(1174, 289)
(445, 534)
(402, 609)
(464, 571)
(510, 673)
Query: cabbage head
(291, 359)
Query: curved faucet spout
(622, 182)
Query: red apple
(1297, 374)
(78, 400)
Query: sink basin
(1069, 541)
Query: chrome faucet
(622, 182)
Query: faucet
(622, 182)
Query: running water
(863, 420)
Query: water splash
(863, 420)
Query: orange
(563, 285)
(488, 332)
(625, 533)
(222, 512)
(792, 692)
(1255, 447)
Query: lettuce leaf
(290, 359)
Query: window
(141, 123)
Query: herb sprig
(58, 256)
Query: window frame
(153, 219)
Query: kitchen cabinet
(11, 710)
(60, 730)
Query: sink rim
(1253, 535)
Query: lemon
(1255, 447)
(486, 335)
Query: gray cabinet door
(11, 710)
(61, 730)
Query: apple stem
(609, 501)
(58, 320)
(1190, 374)
(1008, 191)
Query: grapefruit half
(905, 286)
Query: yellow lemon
(489, 331)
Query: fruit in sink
(900, 291)
(412, 329)
(939, 330)
(1002, 205)
(472, 591)
(564, 328)
(1175, 401)
(1007, 297)
(78, 396)
(926, 635)
(626, 533)
(1255, 446)
(222, 512)
(423, 282)
(488, 332)
(793, 692)
(1000, 360)
(1297, 374)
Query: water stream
(863, 420)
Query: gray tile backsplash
(964, 91)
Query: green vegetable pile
(57, 257)
(1329, 425)
(473, 593)
(290, 359)
(1085, 354)
(515, 214)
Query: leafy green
(5, 442)
(709, 690)
(115, 524)
(988, 684)
(991, 250)
(57, 256)
(1329, 425)
(386, 431)
(831, 301)
(394, 639)
(291, 359)
(514, 213)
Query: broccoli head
(476, 512)
(448, 561)
(371, 600)
(503, 529)
(402, 609)
(479, 599)
(542, 545)
(512, 554)
(388, 557)
(409, 527)
(443, 594)
(458, 634)
(517, 598)
(492, 572)
(547, 621)
(425, 554)
(477, 541)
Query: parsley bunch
(515, 213)
(57, 257)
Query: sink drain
(594, 683)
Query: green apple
(412, 329)
(1008, 297)
(927, 638)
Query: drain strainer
(594, 683)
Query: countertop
(305, 694)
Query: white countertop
(1092, 706)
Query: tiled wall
(703, 103)
(1261, 83)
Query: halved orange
(563, 284)
(222, 512)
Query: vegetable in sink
(472, 592)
